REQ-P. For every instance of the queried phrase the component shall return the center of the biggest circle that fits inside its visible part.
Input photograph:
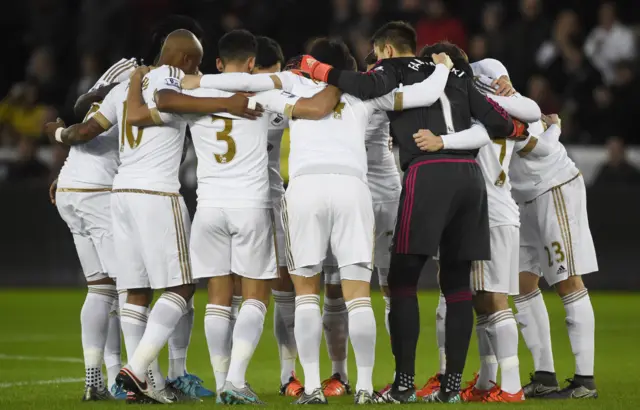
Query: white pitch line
(41, 358)
(42, 382)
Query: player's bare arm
(237, 104)
(318, 106)
(84, 102)
(75, 134)
(138, 113)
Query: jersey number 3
(127, 130)
(224, 135)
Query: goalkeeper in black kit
(443, 205)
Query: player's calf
(335, 321)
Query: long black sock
(404, 324)
(458, 329)
(404, 315)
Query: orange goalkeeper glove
(317, 70)
(520, 130)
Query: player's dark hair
(399, 34)
(166, 27)
(457, 55)
(269, 53)
(371, 58)
(237, 45)
(332, 52)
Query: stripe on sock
(133, 315)
(217, 311)
(256, 304)
(575, 296)
(500, 316)
(527, 297)
(358, 303)
(175, 299)
(482, 320)
(308, 300)
(104, 290)
(284, 297)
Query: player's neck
(399, 55)
(235, 68)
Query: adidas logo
(561, 270)
(311, 61)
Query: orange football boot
(471, 393)
(333, 386)
(293, 388)
(501, 396)
(433, 384)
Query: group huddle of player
(345, 213)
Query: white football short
(555, 239)
(87, 213)
(500, 274)
(323, 213)
(277, 211)
(151, 234)
(238, 240)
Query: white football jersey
(277, 124)
(334, 144)
(232, 156)
(494, 160)
(149, 156)
(533, 175)
(94, 164)
(382, 171)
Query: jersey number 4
(127, 131)
(224, 135)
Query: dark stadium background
(55, 49)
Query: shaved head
(182, 49)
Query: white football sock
(236, 302)
(533, 319)
(163, 318)
(362, 331)
(122, 298)
(246, 335)
(217, 328)
(488, 362)
(581, 324)
(112, 349)
(155, 375)
(308, 332)
(502, 330)
(441, 313)
(335, 321)
(133, 319)
(283, 323)
(387, 309)
(94, 323)
(179, 344)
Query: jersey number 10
(127, 130)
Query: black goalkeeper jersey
(460, 103)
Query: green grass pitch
(40, 343)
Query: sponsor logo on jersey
(277, 120)
(173, 82)
(287, 94)
(561, 270)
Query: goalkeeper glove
(520, 130)
(317, 70)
